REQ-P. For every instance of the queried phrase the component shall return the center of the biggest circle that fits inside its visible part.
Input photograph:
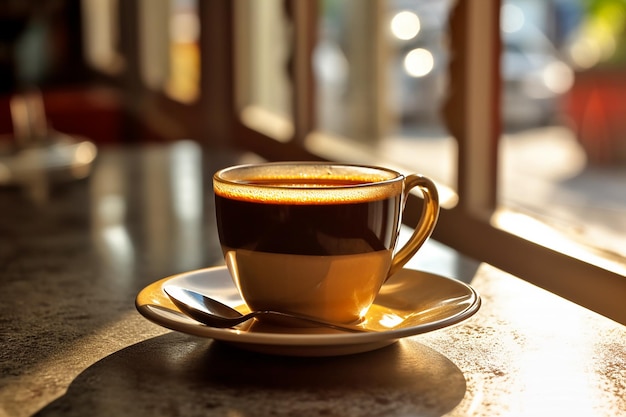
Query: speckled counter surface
(72, 343)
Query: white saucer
(411, 302)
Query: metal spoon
(215, 314)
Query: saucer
(410, 303)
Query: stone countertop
(74, 345)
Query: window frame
(468, 226)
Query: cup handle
(426, 224)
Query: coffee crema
(307, 189)
(308, 229)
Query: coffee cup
(314, 238)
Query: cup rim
(393, 176)
(377, 188)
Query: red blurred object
(596, 105)
(93, 112)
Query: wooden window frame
(474, 111)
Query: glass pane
(381, 71)
(264, 33)
(184, 57)
(101, 35)
(170, 58)
(563, 156)
(418, 85)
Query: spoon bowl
(213, 313)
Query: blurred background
(120, 72)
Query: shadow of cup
(176, 374)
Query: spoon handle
(293, 320)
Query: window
(101, 35)
(263, 66)
(389, 96)
(382, 73)
(170, 55)
(183, 83)
(561, 164)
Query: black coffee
(308, 228)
